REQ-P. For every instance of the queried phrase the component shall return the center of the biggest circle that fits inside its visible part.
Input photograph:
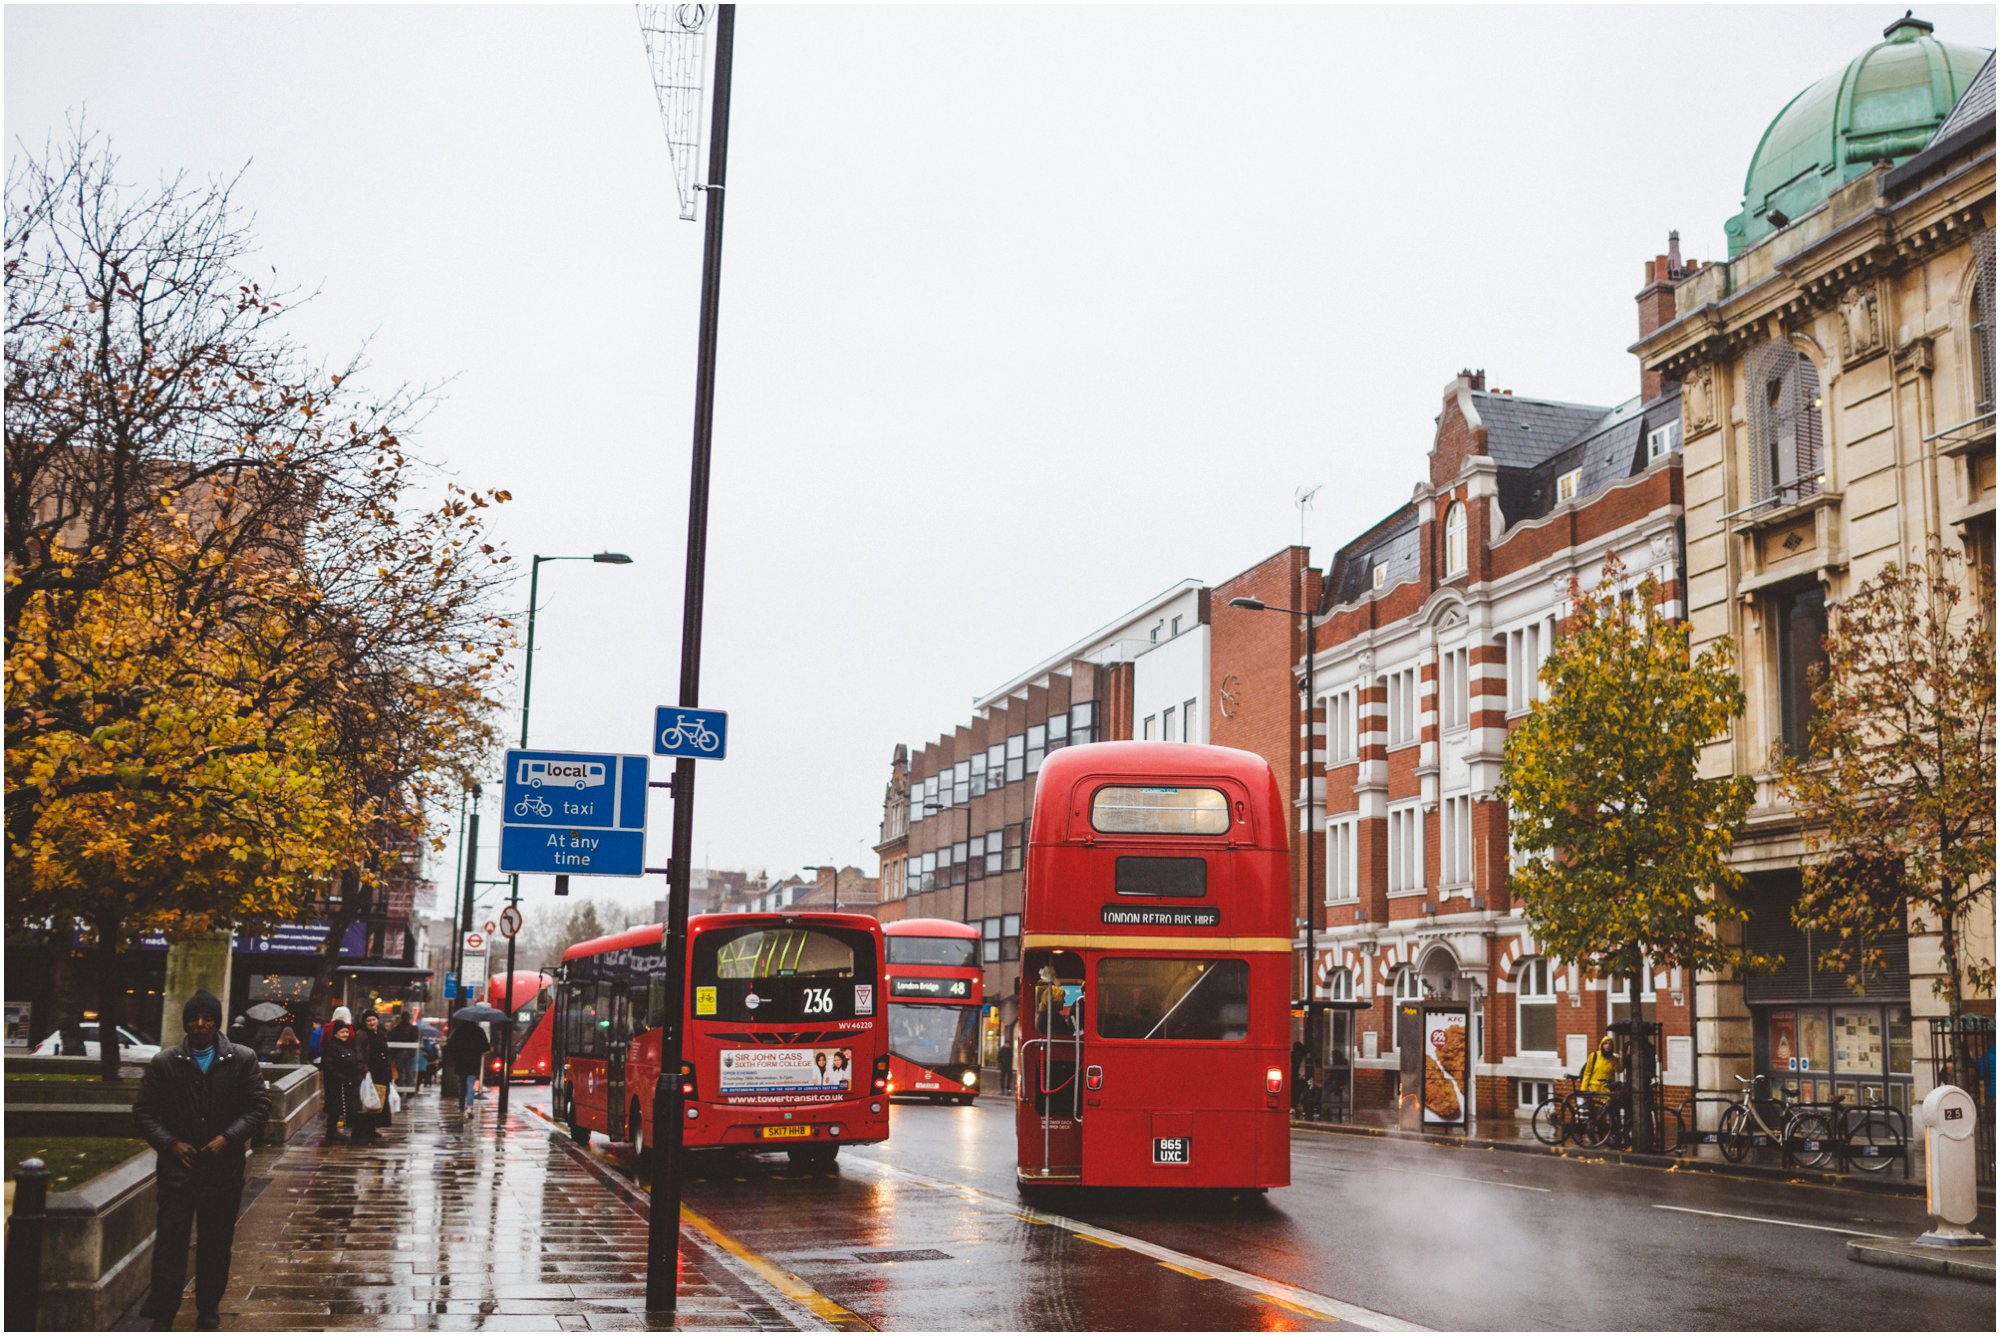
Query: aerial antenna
(1303, 499)
(676, 48)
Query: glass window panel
(1128, 810)
(1154, 998)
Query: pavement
(462, 1225)
(1910, 1255)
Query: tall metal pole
(471, 872)
(514, 879)
(1312, 843)
(663, 1227)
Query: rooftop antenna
(676, 48)
(1303, 499)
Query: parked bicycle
(1862, 1136)
(1744, 1124)
(1588, 1118)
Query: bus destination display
(905, 986)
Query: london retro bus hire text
(784, 1045)
(1156, 962)
(936, 987)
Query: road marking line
(787, 1284)
(1102, 1243)
(1766, 1220)
(1187, 1271)
(1261, 1286)
(1296, 1308)
(1461, 1178)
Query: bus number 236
(819, 1002)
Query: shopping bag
(371, 1097)
(395, 1100)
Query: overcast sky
(1027, 313)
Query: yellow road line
(787, 1284)
(1296, 1308)
(1102, 1243)
(1187, 1271)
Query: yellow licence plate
(788, 1130)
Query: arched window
(1534, 1008)
(1787, 426)
(1982, 322)
(1454, 539)
(1340, 984)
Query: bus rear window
(956, 952)
(1152, 998)
(1183, 877)
(1155, 810)
(783, 974)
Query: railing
(1962, 1055)
(1801, 1142)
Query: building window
(1400, 691)
(1187, 722)
(1010, 937)
(1663, 440)
(1454, 539)
(978, 765)
(1527, 649)
(1341, 881)
(1149, 729)
(1787, 429)
(1340, 984)
(1455, 841)
(989, 940)
(1176, 628)
(1800, 617)
(992, 853)
(1619, 987)
(1038, 741)
(1534, 1009)
(1341, 741)
(1567, 484)
(1083, 722)
(1017, 752)
(1982, 322)
(1058, 730)
(1012, 852)
(975, 865)
(1528, 1095)
(1169, 720)
(961, 783)
(1378, 576)
(1407, 986)
(1406, 849)
(1454, 689)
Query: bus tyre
(576, 1132)
(638, 1133)
(961, 1099)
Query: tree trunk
(65, 987)
(1954, 995)
(1640, 1077)
(110, 997)
(321, 1003)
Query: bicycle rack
(1690, 1136)
(1845, 1151)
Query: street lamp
(835, 870)
(514, 880)
(1312, 835)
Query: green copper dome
(1885, 105)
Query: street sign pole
(664, 1218)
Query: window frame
(1406, 849)
(1343, 885)
(1456, 559)
(1539, 970)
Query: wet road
(928, 1232)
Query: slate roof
(1521, 433)
(1975, 108)
(1614, 448)
(1392, 543)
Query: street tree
(219, 557)
(1624, 843)
(1896, 789)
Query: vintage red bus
(784, 1048)
(533, 999)
(936, 987)
(1156, 971)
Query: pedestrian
(403, 1041)
(1601, 1068)
(1006, 1063)
(200, 1105)
(340, 1080)
(287, 1046)
(463, 1050)
(371, 1048)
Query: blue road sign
(450, 984)
(579, 813)
(699, 735)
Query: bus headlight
(969, 1080)
(833, 1131)
(875, 1107)
(694, 1113)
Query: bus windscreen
(783, 975)
(952, 952)
(934, 1036)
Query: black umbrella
(480, 1014)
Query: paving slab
(450, 1224)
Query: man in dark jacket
(201, 1103)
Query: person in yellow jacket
(1601, 1068)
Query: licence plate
(787, 1130)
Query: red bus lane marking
(1294, 1297)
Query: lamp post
(835, 870)
(1312, 836)
(514, 880)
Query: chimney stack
(1656, 306)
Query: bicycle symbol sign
(700, 735)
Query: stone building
(1837, 402)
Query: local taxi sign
(574, 813)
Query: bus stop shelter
(1331, 1049)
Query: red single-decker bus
(936, 987)
(784, 1045)
(1155, 1011)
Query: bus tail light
(687, 1080)
(882, 1073)
(1093, 1077)
(1274, 1080)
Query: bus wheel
(822, 1157)
(638, 1134)
(576, 1132)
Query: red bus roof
(930, 928)
(649, 934)
(526, 987)
(1070, 774)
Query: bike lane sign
(575, 813)
(696, 735)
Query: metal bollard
(24, 1244)
(1949, 1169)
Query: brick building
(1434, 626)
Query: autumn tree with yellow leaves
(1624, 844)
(249, 638)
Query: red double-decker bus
(1155, 984)
(532, 998)
(784, 1045)
(936, 987)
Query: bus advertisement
(1156, 960)
(936, 987)
(784, 1045)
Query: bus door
(1049, 1097)
(616, 1051)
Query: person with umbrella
(465, 1047)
